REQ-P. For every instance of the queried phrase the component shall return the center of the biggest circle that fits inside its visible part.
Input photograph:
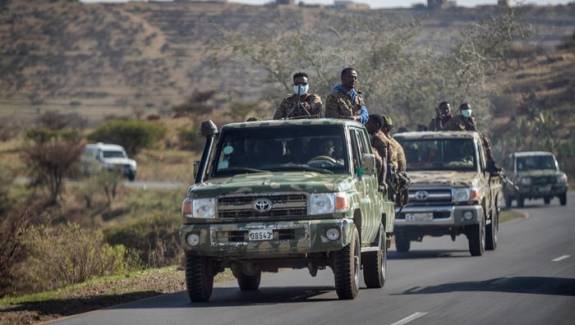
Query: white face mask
(300, 89)
(466, 113)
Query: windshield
(318, 148)
(113, 154)
(536, 163)
(440, 154)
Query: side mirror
(208, 128)
(368, 163)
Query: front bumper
(443, 216)
(289, 238)
(538, 191)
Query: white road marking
(410, 318)
(560, 258)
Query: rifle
(506, 180)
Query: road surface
(529, 279)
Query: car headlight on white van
(199, 208)
(465, 195)
(323, 203)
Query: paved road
(530, 279)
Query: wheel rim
(356, 263)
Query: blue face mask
(466, 113)
(300, 89)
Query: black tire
(491, 231)
(375, 263)
(199, 278)
(249, 282)
(508, 202)
(131, 177)
(520, 202)
(547, 200)
(346, 267)
(476, 239)
(563, 199)
(402, 243)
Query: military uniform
(341, 105)
(294, 106)
(396, 153)
(379, 146)
(460, 123)
(437, 124)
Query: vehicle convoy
(451, 191)
(536, 175)
(111, 157)
(286, 194)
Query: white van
(107, 156)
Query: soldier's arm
(316, 106)
(281, 110)
(331, 107)
(432, 125)
(402, 164)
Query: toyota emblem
(421, 195)
(262, 205)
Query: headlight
(562, 179)
(323, 203)
(200, 208)
(525, 181)
(465, 195)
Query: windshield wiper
(239, 170)
(289, 167)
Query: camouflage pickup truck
(286, 194)
(451, 191)
(536, 175)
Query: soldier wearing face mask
(301, 104)
(466, 122)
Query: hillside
(112, 59)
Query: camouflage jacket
(460, 123)
(340, 105)
(310, 106)
(396, 154)
(380, 144)
(437, 124)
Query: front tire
(199, 278)
(476, 239)
(375, 264)
(346, 266)
(249, 282)
(491, 233)
(563, 199)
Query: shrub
(58, 121)
(155, 239)
(67, 254)
(133, 135)
(52, 154)
(190, 139)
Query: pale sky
(393, 3)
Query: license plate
(261, 234)
(545, 188)
(418, 217)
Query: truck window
(319, 148)
(440, 154)
(538, 162)
(481, 155)
(355, 148)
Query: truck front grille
(543, 180)
(429, 197)
(282, 205)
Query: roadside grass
(94, 294)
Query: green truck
(536, 175)
(286, 194)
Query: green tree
(133, 135)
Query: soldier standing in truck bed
(442, 117)
(301, 104)
(380, 145)
(397, 155)
(466, 122)
(345, 101)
